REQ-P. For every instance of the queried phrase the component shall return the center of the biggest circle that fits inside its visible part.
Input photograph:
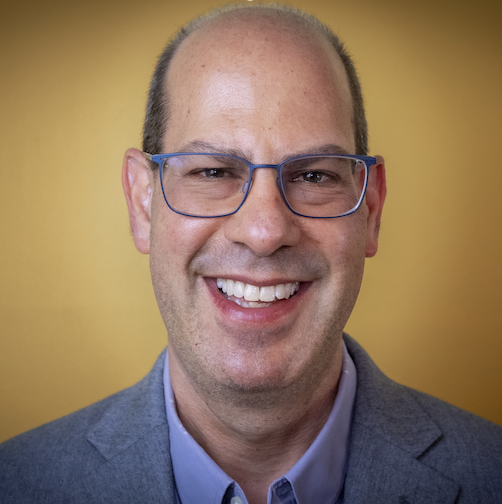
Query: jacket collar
(390, 431)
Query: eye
(202, 172)
(316, 177)
(213, 172)
(313, 177)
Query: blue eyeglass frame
(367, 160)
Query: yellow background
(78, 316)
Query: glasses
(216, 185)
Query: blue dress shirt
(317, 477)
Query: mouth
(252, 296)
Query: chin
(262, 375)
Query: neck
(255, 438)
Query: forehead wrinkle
(215, 148)
(322, 149)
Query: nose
(264, 223)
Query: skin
(254, 386)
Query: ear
(375, 197)
(137, 181)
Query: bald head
(260, 36)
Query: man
(257, 220)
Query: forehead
(254, 74)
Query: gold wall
(78, 316)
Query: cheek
(344, 247)
(351, 244)
(175, 241)
(341, 239)
(179, 237)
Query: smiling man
(258, 204)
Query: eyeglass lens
(213, 185)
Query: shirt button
(236, 500)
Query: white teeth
(251, 293)
(280, 291)
(239, 289)
(256, 295)
(287, 291)
(230, 288)
(267, 294)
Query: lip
(261, 317)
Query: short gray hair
(157, 109)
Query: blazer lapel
(133, 440)
(389, 433)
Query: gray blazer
(406, 448)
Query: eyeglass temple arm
(149, 157)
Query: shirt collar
(317, 477)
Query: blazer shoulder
(37, 465)
(395, 422)
(469, 449)
(465, 431)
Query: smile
(252, 296)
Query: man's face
(264, 93)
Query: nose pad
(245, 186)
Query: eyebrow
(201, 146)
(323, 149)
